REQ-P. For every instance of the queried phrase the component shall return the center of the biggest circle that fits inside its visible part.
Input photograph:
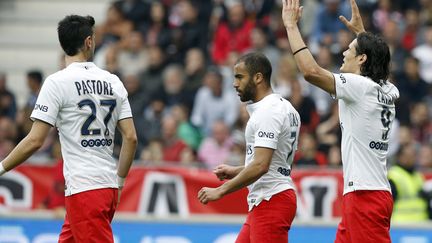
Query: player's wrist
(2, 169)
(120, 181)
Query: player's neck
(261, 93)
(80, 57)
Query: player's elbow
(34, 143)
(263, 168)
(311, 73)
(131, 138)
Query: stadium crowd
(175, 58)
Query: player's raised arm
(313, 73)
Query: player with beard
(271, 140)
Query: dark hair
(73, 30)
(377, 65)
(256, 62)
(35, 75)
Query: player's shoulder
(275, 104)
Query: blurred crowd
(175, 58)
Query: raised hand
(291, 12)
(356, 22)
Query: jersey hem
(72, 192)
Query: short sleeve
(349, 87)
(268, 128)
(125, 109)
(48, 103)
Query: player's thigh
(66, 235)
(244, 234)
(368, 216)
(91, 213)
(271, 220)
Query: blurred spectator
(212, 103)
(151, 79)
(34, 83)
(153, 153)
(406, 183)
(310, 9)
(192, 33)
(115, 27)
(384, 13)
(308, 153)
(423, 53)
(286, 73)
(153, 115)
(216, 148)
(409, 82)
(187, 132)
(421, 123)
(328, 131)
(412, 29)
(8, 105)
(8, 136)
(133, 57)
(233, 34)
(173, 91)
(156, 31)
(195, 69)
(237, 152)
(174, 149)
(392, 36)
(305, 106)
(136, 11)
(344, 38)
(260, 39)
(327, 24)
(425, 156)
(334, 156)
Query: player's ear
(362, 59)
(258, 78)
(88, 42)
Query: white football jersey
(366, 113)
(275, 124)
(85, 103)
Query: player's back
(366, 111)
(90, 102)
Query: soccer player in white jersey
(271, 140)
(366, 112)
(86, 104)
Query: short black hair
(36, 75)
(377, 65)
(73, 30)
(256, 62)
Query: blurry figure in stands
(308, 154)
(55, 199)
(212, 103)
(425, 157)
(8, 105)
(334, 156)
(152, 154)
(233, 34)
(151, 79)
(187, 132)
(237, 152)
(305, 106)
(215, 149)
(174, 149)
(133, 57)
(8, 136)
(410, 204)
(34, 83)
(421, 123)
(195, 69)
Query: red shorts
(270, 220)
(88, 216)
(365, 217)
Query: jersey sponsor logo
(96, 142)
(378, 146)
(342, 78)
(43, 108)
(262, 134)
(284, 171)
